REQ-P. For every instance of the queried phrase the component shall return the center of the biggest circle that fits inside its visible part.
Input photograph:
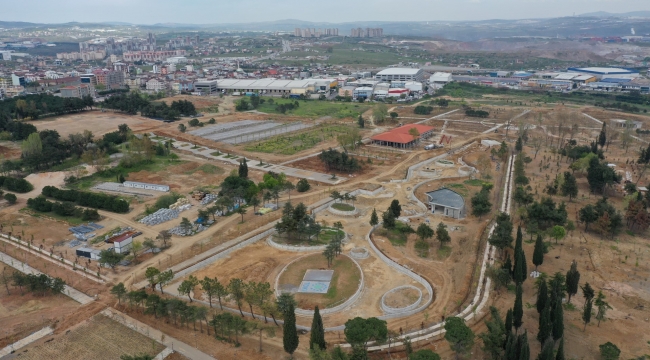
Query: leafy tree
(569, 186)
(119, 291)
(494, 339)
(609, 351)
(152, 276)
(518, 309)
(424, 231)
(424, 354)
(317, 334)
(558, 233)
(341, 161)
(374, 220)
(588, 215)
(481, 204)
(459, 335)
(285, 302)
(210, 286)
(110, 258)
(241, 211)
(442, 234)
(572, 280)
(11, 198)
(182, 128)
(359, 331)
(361, 122)
(602, 307)
(500, 276)
(501, 238)
(303, 185)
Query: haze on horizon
(332, 11)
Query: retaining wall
(343, 213)
(391, 310)
(294, 248)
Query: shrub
(11, 198)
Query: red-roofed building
(401, 137)
(122, 243)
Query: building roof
(604, 70)
(401, 134)
(440, 76)
(399, 71)
(446, 197)
(119, 238)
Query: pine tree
(374, 219)
(509, 321)
(558, 321)
(542, 297)
(524, 348)
(545, 326)
(569, 186)
(290, 334)
(560, 351)
(317, 334)
(572, 280)
(518, 310)
(538, 253)
(501, 237)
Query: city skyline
(146, 12)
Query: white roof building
(403, 74)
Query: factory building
(400, 74)
(602, 72)
(277, 87)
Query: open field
(97, 122)
(97, 338)
(316, 109)
(296, 142)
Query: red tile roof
(401, 134)
(120, 238)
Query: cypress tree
(511, 347)
(317, 335)
(290, 334)
(509, 321)
(586, 313)
(560, 351)
(538, 253)
(542, 297)
(558, 321)
(572, 280)
(374, 219)
(545, 325)
(518, 310)
(507, 265)
(547, 351)
(524, 349)
(243, 169)
(519, 270)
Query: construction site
(380, 272)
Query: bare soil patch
(401, 298)
(97, 122)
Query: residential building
(78, 91)
(156, 85)
(446, 202)
(206, 87)
(111, 79)
(151, 55)
(17, 80)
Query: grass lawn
(289, 144)
(328, 234)
(208, 169)
(443, 252)
(459, 188)
(475, 182)
(343, 207)
(396, 236)
(157, 164)
(345, 280)
(317, 108)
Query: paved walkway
(73, 293)
(253, 164)
(176, 345)
(26, 341)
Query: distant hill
(627, 14)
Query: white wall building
(147, 186)
(156, 85)
(400, 74)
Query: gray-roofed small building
(447, 202)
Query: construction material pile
(160, 216)
(208, 198)
(181, 205)
(180, 231)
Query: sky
(333, 11)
